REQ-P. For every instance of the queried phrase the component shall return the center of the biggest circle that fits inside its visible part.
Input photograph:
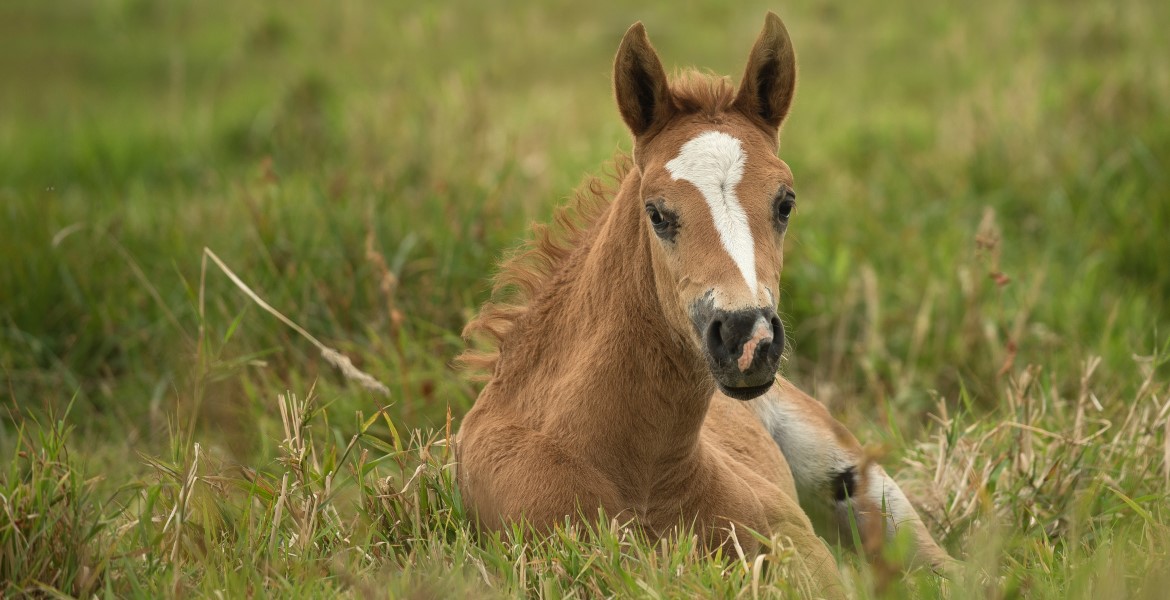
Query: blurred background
(983, 194)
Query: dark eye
(783, 205)
(662, 221)
(655, 216)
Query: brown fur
(599, 394)
(704, 94)
(530, 269)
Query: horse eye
(784, 209)
(785, 203)
(664, 224)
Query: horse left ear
(769, 82)
(639, 82)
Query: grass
(975, 284)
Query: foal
(638, 371)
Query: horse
(633, 366)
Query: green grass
(975, 283)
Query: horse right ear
(769, 82)
(643, 96)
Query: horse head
(717, 198)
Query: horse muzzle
(742, 347)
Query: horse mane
(527, 271)
(696, 92)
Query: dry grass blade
(333, 357)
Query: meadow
(976, 283)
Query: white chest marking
(713, 162)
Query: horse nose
(748, 341)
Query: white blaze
(713, 162)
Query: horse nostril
(726, 333)
(777, 333)
(715, 339)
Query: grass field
(976, 283)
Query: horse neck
(630, 390)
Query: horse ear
(643, 96)
(769, 82)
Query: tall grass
(974, 283)
(51, 520)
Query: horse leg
(816, 560)
(839, 486)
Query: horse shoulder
(737, 478)
(732, 427)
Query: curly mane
(529, 268)
(525, 273)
